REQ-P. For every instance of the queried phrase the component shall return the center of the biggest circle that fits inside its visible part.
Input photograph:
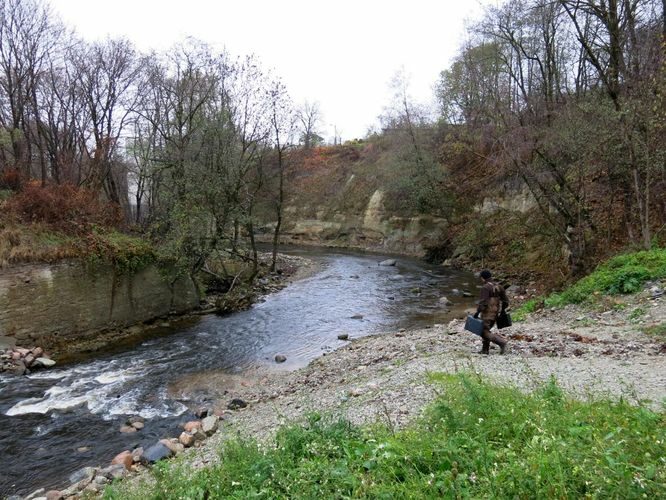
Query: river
(54, 422)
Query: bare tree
(309, 117)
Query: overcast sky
(342, 54)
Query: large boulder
(388, 262)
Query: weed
(656, 330)
(637, 314)
(477, 440)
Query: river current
(54, 422)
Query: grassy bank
(623, 274)
(477, 440)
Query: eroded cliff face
(52, 304)
(372, 229)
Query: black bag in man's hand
(504, 320)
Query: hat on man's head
(485, 274)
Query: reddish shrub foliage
(10, 179)
(66, 207)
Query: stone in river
(45, 362)
(53, 495)
(445, 301)
(123, 458)
(127, 429)
(280, 358)
(156, 453)
(138, 425)
(343, 336)
(209, 425)
(236, 404)
(356, 316)
(388, 262)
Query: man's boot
(485, 349)
(503, 348)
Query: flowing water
(54, 422)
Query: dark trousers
(489, 336)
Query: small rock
(138, 425)
(174, 445)
(388, 262)
(416, 289)
(115, 471)
(186, 439)
(343, 336)
(156, 453)
(44, 362)
(466, 293)
(127, 429)
(199, 435)
(54, 495)
(101, 480)
(192, 426)
(36, 494)
(82, 475)
(209, 425)
(236, 404)
(135, 419)
(202, 412)
(137, 454)
(445, 301)
(29, 360)
(83, 449)
(123, 458)
(356, 316)
(37, 352)
(280, 358)
(354, 276)
(355, 392)
(390, 297)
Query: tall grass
(477, 440)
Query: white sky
(342, 54)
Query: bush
(623, 274)
(65, 207)
(477, 440)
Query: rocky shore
(614, 349)
(592, 352)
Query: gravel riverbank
(385, 377)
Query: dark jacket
(492, 300)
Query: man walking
(492, 301)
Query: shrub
(66, 207)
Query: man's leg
(486, 336)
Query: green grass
(477, 440)
(658, 331)
(528, 307)
(623, 274)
